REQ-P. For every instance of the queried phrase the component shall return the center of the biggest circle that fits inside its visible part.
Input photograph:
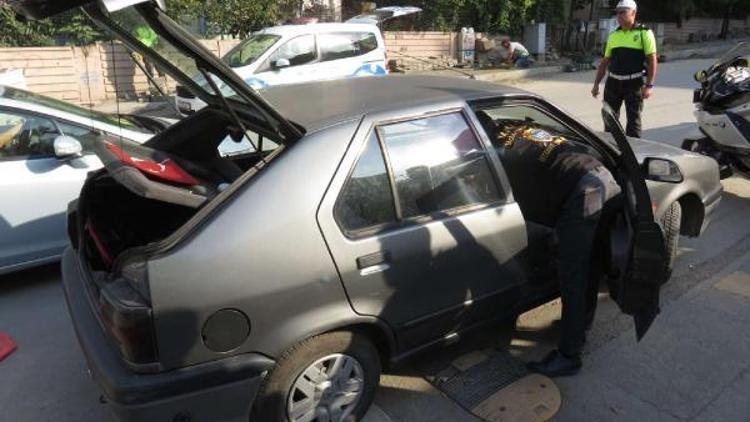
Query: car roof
(335, 101)
(316, 28)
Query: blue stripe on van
(256, 83)
(370, 69)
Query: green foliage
(241, 17)
(76, 29)
(681, 10)
(73, 28)
(15, 33)
(495, 16)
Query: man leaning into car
(559, 186)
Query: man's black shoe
(556, 365)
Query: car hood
(643, 148)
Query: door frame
(325, 214)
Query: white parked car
(46, 151)
(303, 53)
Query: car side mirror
(661, 170)
(67, 147)
(700, 76)
(280, 64)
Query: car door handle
(374, 262)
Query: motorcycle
(722, 109)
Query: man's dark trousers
(575, 229)
(616, 92)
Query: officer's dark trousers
(616, 92)
(575, 229)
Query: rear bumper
(219, 390)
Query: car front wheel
(330, 377)
(670, 225)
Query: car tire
(301, 370)
(670, 223)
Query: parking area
(692, 365)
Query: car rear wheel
(670, 224)
(331, 377)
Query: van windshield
(249, 50)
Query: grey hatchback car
(273, 282)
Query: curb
(505, 75)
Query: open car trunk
(146, 193)
(115, 220)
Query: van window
(249, 50)
(298, 51)
(438, 165)
(341, 45)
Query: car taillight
(129, 319)
(135, 272)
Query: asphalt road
(693, 365)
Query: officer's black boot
(556, 365)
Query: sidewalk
(670, 53)
(693, 364)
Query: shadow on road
(15, 283)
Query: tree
(73, 28)
(241, 17)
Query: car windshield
(35, 99)
(740, 50)
(249, 50)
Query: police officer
(558, 184)
(630, 56)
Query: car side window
(298, 51)
(438, 165)
(23, 135)
(497, 118)
(87, 136)
(366, 200)
(342, 45)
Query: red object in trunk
(7, 346)
(166, 170)
(103, 252)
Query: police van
(303, 53)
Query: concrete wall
(702, 26)
(95, 73)
(420, 44)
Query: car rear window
(438, 165)
(342, 45)
(366, 200)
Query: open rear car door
(382, 14)
(636, 291)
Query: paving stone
(737, 283)
(688, 357)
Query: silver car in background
(45, 154)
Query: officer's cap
(626, 4)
